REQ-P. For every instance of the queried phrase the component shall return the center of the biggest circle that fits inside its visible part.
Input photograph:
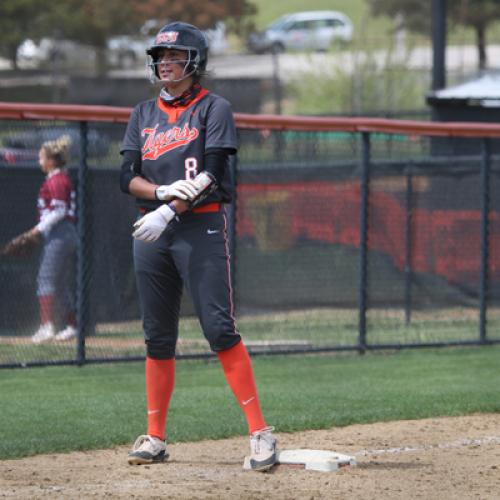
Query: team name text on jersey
(159, 143)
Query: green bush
(358, 82)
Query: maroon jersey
(57, 195)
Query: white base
(320, 460)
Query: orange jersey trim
(172, 112)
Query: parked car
(63, 53)
(22, 148)
(312, 30)
(130, 51)
(127, 51)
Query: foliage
(89, 21)
(415, 15)
(368, 82)
(93, 21)
(20, 19)
(480, 15)
(201, 14)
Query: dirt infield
(438, 458)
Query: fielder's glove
(150, 227)
(23, 245)
(182, 189)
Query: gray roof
(484, 91)
(485, 87)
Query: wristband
(172, 207)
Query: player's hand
(150, 227)
(184, 190)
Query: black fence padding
(297, 241)
(111, 214)
(18, 195)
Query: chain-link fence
(346, 234)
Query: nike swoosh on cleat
(212, 231)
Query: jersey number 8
(191, 166)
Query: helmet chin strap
(164, 93)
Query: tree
(479, 15)
(87, 21)
(236, 13)
(20, 19)
(414, 14)
(475, 14)
(93, 21)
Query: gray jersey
(173, 140)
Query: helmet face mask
(173, 65)
(180, 36)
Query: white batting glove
(182, 189)
(150, 227)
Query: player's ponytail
(58, 149)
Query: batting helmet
(181, 36)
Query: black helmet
(182, 36)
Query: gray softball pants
(192, 251)
(57, 265)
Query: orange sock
(160, 379)
(239, 375)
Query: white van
(313, 30)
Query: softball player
(56, 207)
(175, 162)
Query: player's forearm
(50, 220)
(141, 188)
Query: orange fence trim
(78, 112)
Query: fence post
(409, 245)
(363, 240)
(82, 286)
(485, 210)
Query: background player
(56, 207)
(175, 162)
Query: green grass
(46, 410)
(308, 328)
